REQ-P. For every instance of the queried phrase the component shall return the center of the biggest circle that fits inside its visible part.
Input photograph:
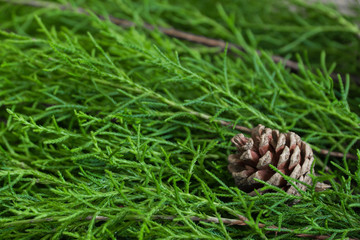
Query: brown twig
(221, 122)
(337, 154)
(181, 35)
(294, 66)
(241, 221)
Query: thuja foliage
(123, 123)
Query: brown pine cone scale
(286, 151)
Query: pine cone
(286, 151)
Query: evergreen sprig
(124, 125)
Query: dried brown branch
(294, 66)
(221, 122)
(241, 221)
(337, 154)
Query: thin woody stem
(241, 221)
(293, 65)
(337, 154)
(168, 31)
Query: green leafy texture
(97, 120)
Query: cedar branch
(241, 221)
(172, 32)
(186, 36)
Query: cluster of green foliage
(99, 120)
